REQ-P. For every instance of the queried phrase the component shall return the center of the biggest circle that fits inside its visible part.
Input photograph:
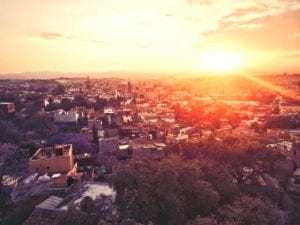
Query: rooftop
(6, 103)
(51, 152)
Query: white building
(62, 116)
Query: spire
(88, 83)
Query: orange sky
(157, 36)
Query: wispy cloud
(296, 35)
(60, 36)
(201, 2)
(294, 55)
(243, 12)
(51, 35)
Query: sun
(221, 61)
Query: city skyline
(167, 37)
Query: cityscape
(183, 112)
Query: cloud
(201, 2)
(296, 35)
(208, 33)
(57, 36)
(242, 12)
(252, 17)
(169, 15)
(294, 55)
(51, 35)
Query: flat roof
(6, 103)
(51, 152)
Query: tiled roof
(50, 203)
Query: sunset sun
(221, 61)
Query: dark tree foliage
(283, 122)
(204, 221)
(248, 210)
(167, 192)
(95, 135)
(244, 158)
(66, 104)
(80, 100)
(59, 90)
(87, 205)
(80, 142)
(17, 213)
(8, 134)
(75, 217)
(100, 103)
(5, 199)
(32, 147)
(41, 124)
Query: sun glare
(221, 61)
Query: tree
(100, 103)
(66, 104)
(249, 159)
(95, 135)
(5, 199)
(283, 122)
(244, 158)
(218, 175)
(80, 142)
(16, 214)
(31, 147)
(247, 210)
(75, 217)
(8, 134)
(80, 100)
(168, 192)
(87, 205)
(203, 221)
(41, 124)
(59, 90)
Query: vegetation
(198, 185)
(17, 213)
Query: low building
(95, 123)
(295, 135)
(7, 107)
(294, 185)
(289, 108)
(58, 158)
(296, 149)
(148, 151)
(62, 116)
(48, 211)
(148, 117)
(108, 145)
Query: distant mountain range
(106, 74)
(53, 75)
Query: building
(108, 145)
(294, 185)
(295, 135)
(58, 158)
(296, 149)
(7, 107)
(48, 211)
(95, 123)
(88, 83)
(289, 107)
(148, 151)
(66, 117)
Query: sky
(154, 36)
